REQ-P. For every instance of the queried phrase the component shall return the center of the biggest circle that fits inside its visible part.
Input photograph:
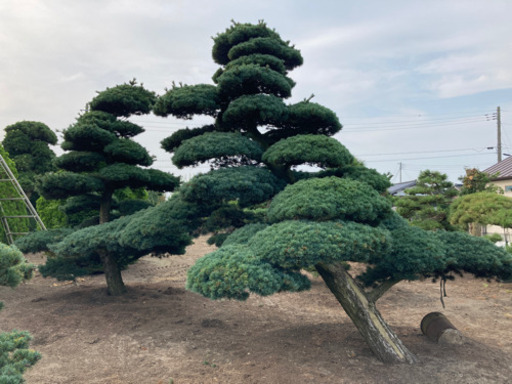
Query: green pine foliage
(242, 272)
(78, 254)
(272, 220)
(124, 100)
(426, 204)
(329, 198)
(15, 355)
(215, 145)
(184, 101)
(244, 234)
(51, 213)
(176, 139)
(40, 241)
(102, 163)
(27, 143)
(485, 208)
(317, 150)
(332, 215)
(102, 157)
(246, 185)
(246, 79)
(244, 111)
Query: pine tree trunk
(115, 284)
(105, 205)
(384, 343)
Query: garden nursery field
(160, 333)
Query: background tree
(477, 181)
(320, 219)
(15, 357)
(102, 161)
(11, 207)
(28, 145)
(471, 211)
(426, 204)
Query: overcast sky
(413, 82)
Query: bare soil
(160, 333)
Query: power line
(414, 152)
(429, 158)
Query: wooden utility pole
(498, 120)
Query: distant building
(504, 181)
(398, 189)
(504, 171)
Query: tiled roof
(503, 168)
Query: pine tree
(101, 160)
(319, 217)
(426, 204)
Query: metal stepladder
(6, 176)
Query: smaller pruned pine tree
(101, 156)
(102, 161)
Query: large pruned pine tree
(322, 218)
(101, 158)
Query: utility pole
(498, 120)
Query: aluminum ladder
(6, 176)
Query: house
(503, 180)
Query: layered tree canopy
(101, 156)
(104, 172)
(319, 217)
(282, 193)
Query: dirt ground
(160, 333)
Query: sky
(416, 84)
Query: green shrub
(15, 357)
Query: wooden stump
(438, 328)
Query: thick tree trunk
(105, 205)
(384, 343)
(115, 284)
